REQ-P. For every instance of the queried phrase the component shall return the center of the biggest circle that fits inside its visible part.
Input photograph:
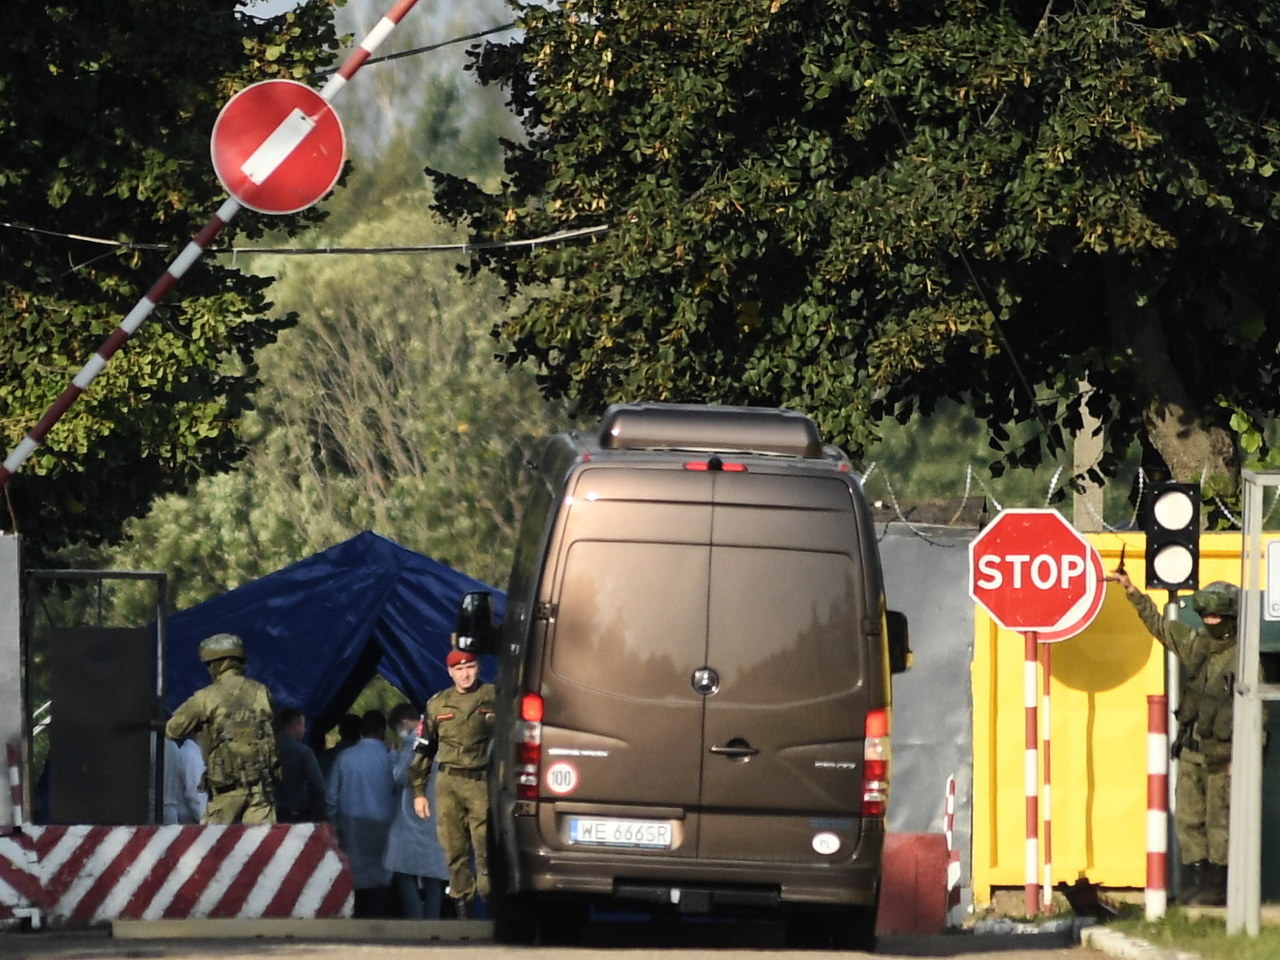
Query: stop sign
(1032, 571)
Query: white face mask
(408, 734)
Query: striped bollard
(1046, 795)
(15, 783)
(953, 855)
(1032, 776)
(1157, 895)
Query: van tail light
(529, 747)
(875, 763)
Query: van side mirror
(900, 656)
(475, 632)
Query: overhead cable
(558, 237)
(430, 47)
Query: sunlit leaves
(106, 111)
(989, 202)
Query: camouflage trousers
(462, 824)
(239, 806)
(1203, 800)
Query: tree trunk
(1193, 447)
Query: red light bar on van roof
(715, 463)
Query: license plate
(615, 832)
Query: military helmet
(221, 646)
(1218, 598)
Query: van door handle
(736, 749)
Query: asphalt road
(625, 942)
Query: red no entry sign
(277, 146)
(1033, 572)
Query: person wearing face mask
(1202, 746)
(414, 855)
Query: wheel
(560, 922)
(512, 914)
(513, 920)
(854, 929)
(849, 928)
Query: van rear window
(631, 617)
(784, 624)
(632, 621)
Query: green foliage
(407, 111)
(945, 460)
(105, 111)
(378, 695)
(863, 210)
(383, 409)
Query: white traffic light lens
(1173, 563)
(1173, 510)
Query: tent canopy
(316, 632)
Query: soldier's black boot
(463, 908)
(1214, 893)
(1199, 879)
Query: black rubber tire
(855, 930)
(561, 922)
(513, 916)
(851, 928)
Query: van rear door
(783, 732)
(622, 725)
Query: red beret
(456, 657)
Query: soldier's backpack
(242, 748)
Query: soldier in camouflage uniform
(1203, 743)
(231, 720)
(457, 728)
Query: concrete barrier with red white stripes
(81, 876)
(19, 885)
(20, 888)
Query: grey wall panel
(926, 577)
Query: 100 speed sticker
(561, 778)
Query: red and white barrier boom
(277, 159)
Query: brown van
(693, 684)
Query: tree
(429, 89)
(860, 210)
(106, 110)
(383, 409)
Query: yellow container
(1099, 684)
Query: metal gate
(95, 756)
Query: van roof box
(678, 426)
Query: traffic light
(1171, 519)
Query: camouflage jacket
(460, 725)
(1208, 680)
(231, 720)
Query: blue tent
(316, 632)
